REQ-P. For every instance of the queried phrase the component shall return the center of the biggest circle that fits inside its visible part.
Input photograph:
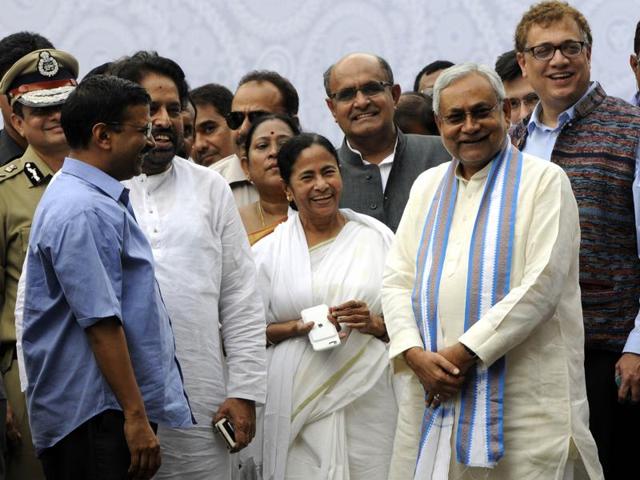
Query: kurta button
(373, 205)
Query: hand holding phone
(323, 335)
(226, 431)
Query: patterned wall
(219, 41)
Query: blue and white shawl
(479, 438)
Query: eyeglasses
(546, 51)
(529, 100)
(477, 114)
(146, 130)
(235, 119)
(370, 89)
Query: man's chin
(157, 161)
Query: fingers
(446, 365)
(304, 328)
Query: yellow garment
(263, 232)
(538, 326)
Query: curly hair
(546, 13)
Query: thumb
(446, 365)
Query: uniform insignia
(34, 174)
(47, 65)
(10, 168)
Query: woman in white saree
(328, 414)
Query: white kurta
(208, 282)
(538, 325)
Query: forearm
(277, 332)
(109, 345)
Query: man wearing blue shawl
(482, 305)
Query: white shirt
(208, 282)
(385, 165)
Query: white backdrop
(218, 41)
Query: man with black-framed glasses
(595, 139)
(378, 161)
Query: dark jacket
(362, 184)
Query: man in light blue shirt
(98, 346)
(595, 138)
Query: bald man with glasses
(378, 161)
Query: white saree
(331, 414)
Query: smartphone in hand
(225, 429)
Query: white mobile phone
(225, 429)
(323, 335)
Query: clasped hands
(441, 373)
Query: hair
(218, 96)
(290, 98)
(384, 65)
(136, 67)
(416, 107)
(546, 13)
(636, 40)
(463, 70)
(291, 122)
(103, 69)
(429, 69)
(291, 150)
(98, 99)
(15, 46)
(507, 66)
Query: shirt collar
(563, 118)
(636, 99)
(388, 159)
(96, 177)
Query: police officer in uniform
(36, 86)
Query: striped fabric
(479, 439)
(597, 150)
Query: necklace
(260, 213)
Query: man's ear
(244, 163)
(633, 62)
(523, 64)
(101, 136)
(396, 91)
(332, 107)
(17, 122)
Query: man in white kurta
(208, 282)
(537, 326)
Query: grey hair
(457, 72)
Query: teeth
(162, 138)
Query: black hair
(507, 66)
(291, 122)
(636, 40)
(429, 69)
(15, 46)
(290, 99)
(416, 108)
(136, 67)
(218, 96)
(98, 99)
(384, 65)
(290, 151)
(103, 69)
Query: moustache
(168, 132)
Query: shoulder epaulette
(11, 169)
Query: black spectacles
(369, 89)
(146, 130)
(529, 101)
(477, 114)
(546, 51)
(235, 119)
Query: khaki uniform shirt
(20, 192)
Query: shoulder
(12, 169)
